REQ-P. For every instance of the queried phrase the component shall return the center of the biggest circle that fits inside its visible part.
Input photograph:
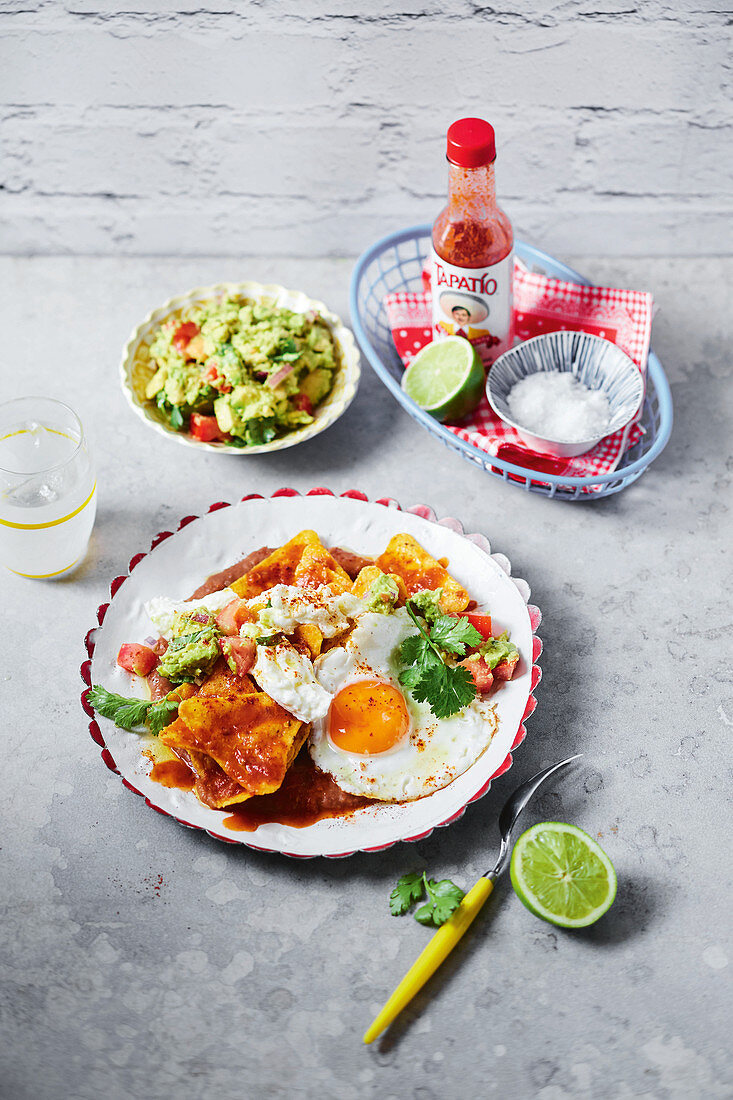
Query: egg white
(433, 752)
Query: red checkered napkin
(541, 305)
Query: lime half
(446, 378)
(562, 875)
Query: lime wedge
(446, 378)
(562, 875)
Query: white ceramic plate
(178, 563)
(135, 371)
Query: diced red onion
(276, 379)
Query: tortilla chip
(212, 785)
(250, 736)
(318, 566)
(277, 568)
(369, 574)
(308, 635)
(222, 681)
(408, 559)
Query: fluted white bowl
(597, 363)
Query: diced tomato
(482, 675)
(232, 615)
(303, 402)
(215, 378)
(204, 428)
(241, 650)
(160, 646)
(505, 669)
(477, 619)
(183, 334)
(481, 622)
(139, 659)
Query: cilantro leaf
(445, 897)
(454, 635)
(417, 653)
(162, 714)
(125, 713)
(414, 648)
(446, 689)
(176, 417)
(130, 714)
(261, 430)
(287, 352)
(459, 689)
(425, 914)
(409, 889)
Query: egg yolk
(368, 717)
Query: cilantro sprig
(446, 688)
(443, 898)
(130, 714)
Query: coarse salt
(556, 405)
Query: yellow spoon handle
(427, 963)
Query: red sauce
(472, 231)
(306, 796)
(173, 773)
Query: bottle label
(475, 302)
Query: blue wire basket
(395, 263)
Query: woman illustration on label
(465, 311)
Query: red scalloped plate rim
(535, 617)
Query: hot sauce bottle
(472, 261)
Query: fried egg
(288, 677)
(376, 740)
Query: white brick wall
(226, 126)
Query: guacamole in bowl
(241, 367)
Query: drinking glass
(48, 492)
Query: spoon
(448, 935)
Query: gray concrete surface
(311, 127)
(143, 960)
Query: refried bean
(223, 579)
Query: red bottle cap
(471, 143)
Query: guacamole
(496, 650)
(241, 372)
(427, 602)
(383, 595)
(193, 649)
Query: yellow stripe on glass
(50, 523)
(43, 576)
